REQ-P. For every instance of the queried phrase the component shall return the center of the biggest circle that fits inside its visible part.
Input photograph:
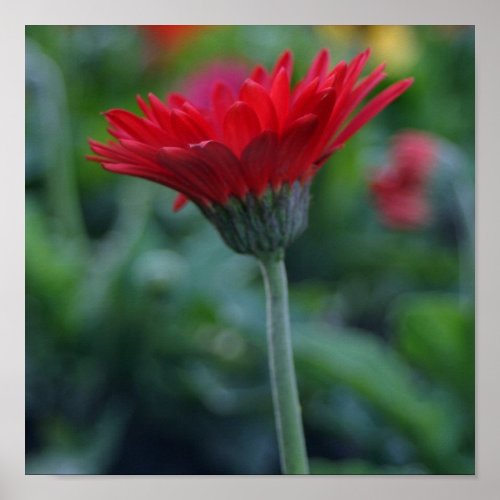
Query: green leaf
(436, 333)
(360, 467)
(53, 268)
(378, 373)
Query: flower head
(400, 188)
(248, 159)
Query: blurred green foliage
(145, 344)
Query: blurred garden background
(145, 335)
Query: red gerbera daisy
(265, 143)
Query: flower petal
(260, 76)
(319, 67)
(294, 150)
(137, 128)
(148, 113)
(323, 111)
(258, 99)
(303, 100)
(222, 99)
(117, 153)
(355, 68)
(347, 102)
(140, 149)
(189, 169)
(220, 158)
(241, 125)
(259, 159)
(161, 112)
(187, 129)
(176, 100)
(336, 76)
(374, 107)
(285, 61)
(280, 95)
(200, 120)
(180, 200)
(158, 175)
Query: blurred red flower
(265, 136)
(399, 189)
(171, 35)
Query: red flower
(268, 135)
(400, 188)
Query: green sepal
(263, 224)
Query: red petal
(303, 100)
(140, 149)
(176, 100)
(161, 112)
(200, 120)
(241, 125)
(222, 99)
(158, 175)
(363, 89)
(260, 76)
(136, 127)
(280, 95)
(295, 149)
(285, 61)
(356, 67)
(259, 158)
(319, 67)
(374, 107)
(118, 133)
(340, 73)
(116, 153)
(179, 202)
(348, 103)
(148, 113)
(323, 110)
(221, 159)
(336, 77)
(258, 99)
(324, 105)
(186, 128)
(98, 159)
(188, 169)
(369, 82)
(346, 81)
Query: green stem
(287, 410)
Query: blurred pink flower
(199, 86)
(400, 188)
(413, 155)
